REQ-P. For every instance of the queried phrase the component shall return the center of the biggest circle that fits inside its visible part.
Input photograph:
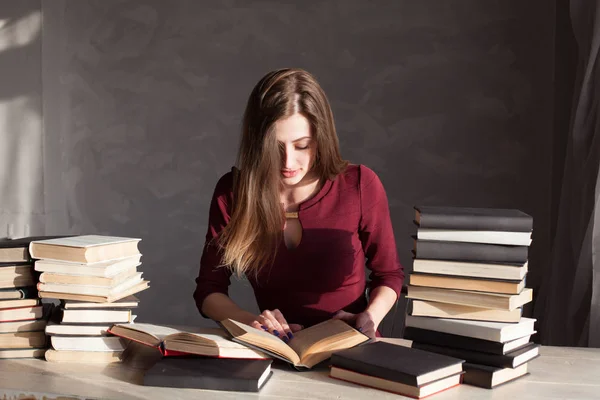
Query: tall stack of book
(22, 316)
(95, 277)
(467, 290)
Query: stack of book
(22, 316)
(95, 277)
(467, 290)
(397, 369)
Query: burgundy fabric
(345, 227)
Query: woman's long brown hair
(250, 239)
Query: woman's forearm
(382, 298)
(218, 306)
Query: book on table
(493, 331)
(101, 269)
(472, 218)
(489, 377)
(472, 269)
(16, 250)
(307, 348)
(85, 249)
(171, 340)
(459, 311)
(210, 374)
(467, 283)
(397, 369)
(143, 285)
(471, 298)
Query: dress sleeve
(214, 278)
(377, 235)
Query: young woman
(297, 220)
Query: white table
(559, 373)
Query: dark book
(490, 377)
(458, 251)
(209, 373)
(17, 250)
(508, 360)
(490, 219)
(397, 363)
(463, 342)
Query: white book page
(86, 241)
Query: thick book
(499, 301)
(99, 281)
(307, 348)
(83, 356)
(458, 311)
(458, 251)
(488, 219)
(490, 377)
(213, 342)
(16, 250)
(143, 285)
(22, 353)
(23, 326)
(494, 331)
(16, 275)
(83, 316)
(508, 360)
(472, 284)
(464, 342)
(397, 363)
(102, 269)
(85, 249)
(88, 290)
(127, 302)
(22, 340)
(18, 303)
(416, 392)
(487, 270)
(88, 343)
(210, 374)
(54, 329)
(17, 293)
(472, 236)
(21, 313)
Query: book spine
(479, 222)
(457, 251)
(372, 370)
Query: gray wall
(21, 139)
(449, 102)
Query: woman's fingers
(287, 331)
(273, 325)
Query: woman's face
(298, 148)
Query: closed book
(458, 311)
(467, 283)
(457, 251)
(86, 249)
(15, 250)
(473, 236)
(499, 301)
(101, 269)
(463, 342)
(490, 377)
(416, 392)
(494, 331)
(16, 275)
(17, 293)
(397, 363)
(22, 353)
(508, 360)
(491, 219)
(471, 269)
(209, 373)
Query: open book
(308, 347)
(171, 341)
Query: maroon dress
(345, 227)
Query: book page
(157, 331)
(261, 339)
(316, 343)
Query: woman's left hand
(363, 322)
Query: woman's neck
(293, 196)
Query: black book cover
(209, 373)
(494, 360)
(427, 336)
(459, 251)
(483, 375)
(392, 362)
(463, 218)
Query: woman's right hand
(272, 321)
